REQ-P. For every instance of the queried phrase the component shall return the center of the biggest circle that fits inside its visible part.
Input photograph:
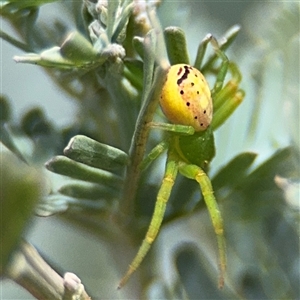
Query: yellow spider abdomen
(185, 98)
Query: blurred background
(267, 51)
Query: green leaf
(176, 46)
(5, 109)
(95, 154)
(149, 61)
(78, 49)
(21, 187)
(134, 72)
(11, 6)
(285, 162)
(234, 171)
(6, 137)
(65, 166)
(48, 58)
(34, 123)
(87, 190)
(138, 44)
(112, 9)
(119, 33)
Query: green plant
(107, 65)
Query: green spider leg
(223, 68)
(196, 173)
(228, 98)
(209, 38)
(224, 43)
(225, 99)
(176, 128)
(201, 51)
(159, 211)
(162, 146)
(154, 154)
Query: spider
(194, 112)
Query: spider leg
(201, 51)
(159, 210)
(223, 114)
(223, 68)
(180, 129)
(228, 99)
(224, 43)
(230, 88)
(154, 154)
(161, 147)
(196, 173)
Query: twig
(28, 269)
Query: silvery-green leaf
(78, 49)
(68, 167)
(176, 45)
(95, 154)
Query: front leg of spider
(187, 102)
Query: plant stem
(29, 270)
(139, 141)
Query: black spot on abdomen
(184, 75)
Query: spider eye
(185, 97)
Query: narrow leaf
(95, 154)
(176, 46)
(65, 166)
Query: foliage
(102, 56)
